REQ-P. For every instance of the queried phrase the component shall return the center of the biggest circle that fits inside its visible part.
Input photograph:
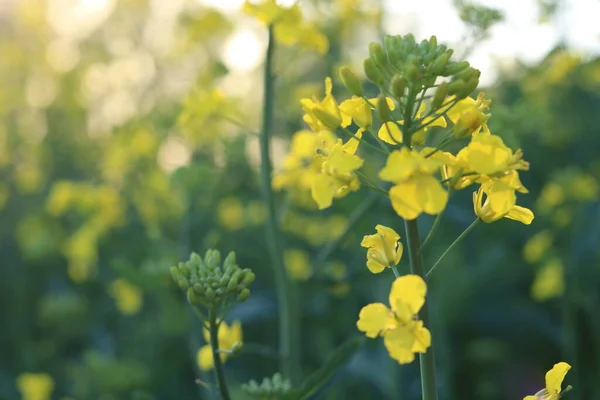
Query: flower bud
(372, 72)
(378, 55)
(412, 72)
(456, 86)
(192, 297)
(175, 274)
(454, 68)
(438, 65)
(433, 42)
(469, 87)
(440, 95)
(383, 110)
(398, 86)
(183, 284)
(351, 81)
(229, 260)
(248, 277)
(209, 294)
(243, 296)
(466, 74)
(332, 122)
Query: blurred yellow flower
(554, 380)
(322, 114)
(552, 195)
(128, 297)
(549, 281)
(297, 263)
(230, 213)
(35, 386)
(229, 336)
(384, 249)
(537, 246)
(403, 335)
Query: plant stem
(453, 245)
(214, 344)
(289, 345)
(435, 225)
(427, 360)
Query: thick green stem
(214, 344)
(427, 360)
(289, 343)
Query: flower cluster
(554, 380)
(269, 388)
(403, 334)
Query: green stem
(214, 344)
(351, 135)
(289, 343)
(453, 245)
(435, 225)
(373, 185)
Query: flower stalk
(214, 344)
(289, 345)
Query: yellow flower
(384, 249)
(359, 110)
(300, 167)
(549, 281)
(322, 114)
(468, 116)
(554, 380)
(488, 155)
(297, 264)
(416, 190)
(35, 386)
(229, 337)
(391, 133)
(128, 297)
(537, 246)
(500, 203)
(403, 334)
(230, 212)
(337, 177)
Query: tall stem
(289, 344)
(426, 360)
(214, 344)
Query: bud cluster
(270, 388)
(402, 63)
(208, 283)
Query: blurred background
(128, 140)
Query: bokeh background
(128, 140)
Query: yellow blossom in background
(549, 281)
(35, 386)
(297, 263)
(537, 246)
(552, 195)
(300, 167)
(289, 28)
(81, 251)
(403, 334)
(415, 189)
(391, 132)
(384, 249)
(230, 213)
(128, 297)
(338, 163)
(554, 380)
(229, 336)
(500, 202)
(256, 212)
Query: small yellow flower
(403, 334)
(128, 297)
(500, 203)
(549, 281)
(384, 249)
(537, 246)
(229, 337)
(297, 264)
(488, 155)
(230, 212)
(322, 114)
(554, 380)
(468, 116)
(35, 386)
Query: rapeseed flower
(554, 380)
(35, 386)
(384, 249)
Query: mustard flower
(384, 249)
(35, 386)
(488, 155)
(500, 203)
(322, 114)
(403, 334)
(230, 338)
(468, 116)
(415, 188)
(128, 297)
(549, 281)
(359, 110)
(390, 132)
(554, 380)
(299, 167)
(338, 163)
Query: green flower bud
(465, 74)
(184, 270)
(398, 86)
(229, 260)
(438, 65)
(433, 42)
(372, 72)
(192, 297)
(175, 274)
(383, 110)
(195, 259)
(440, 95)
(468, 88)
(209, 294)
(332, 122)
(183, 284)
(412, 71)
(454, 68)
(351, 82)
(198, 288)
(219, 292)
(456, 86)
(243, 296)
(378, 55)
(248, 277)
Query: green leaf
(319, 378)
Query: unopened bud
(440, 95)
(468, 88)
(378, 55)
(433, 42)
(331, 121)
(456, 86)
(398, 86)
(248, 277)
(372, 72)
(454, 68)
(412, 72)
(383, 110)
(243, 296)
(438, 65)
(351, 81)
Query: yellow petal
(555, 377)
(374, 266)
(204, 358)
(422, 338)
(432, 196)
(409, 290)
(398, 342)
(521, 214)
(404, 200)
(351, 145)
(390, 133)
(531, 398)
(323, 190)
(549, 281)
(372, 319)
